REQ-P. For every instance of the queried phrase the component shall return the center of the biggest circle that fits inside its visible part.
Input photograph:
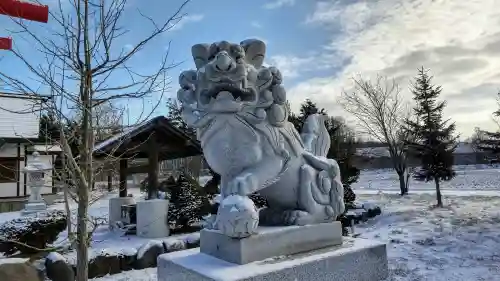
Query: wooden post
(110, 180)
(123, 177)
(153, 167)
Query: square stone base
(152, 218)
(34, 207)
(270, 242)
(355, 260)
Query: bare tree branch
(79, 61)
(381, 113)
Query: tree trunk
(438, 193)
(407, 177)
(86, 182)
(81, 235)
(402, 183)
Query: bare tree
(81, 61)
(381, 111)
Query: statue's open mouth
(227, 97)
(238, 93)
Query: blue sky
(320, 45)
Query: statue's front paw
(243, 185)
(296, 217)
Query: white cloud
(185, 20)
(278, 4)
(458, 40)
(256, 24)
(290, 66)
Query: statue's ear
(255, 51)
(200, 54)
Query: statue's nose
(223, 62)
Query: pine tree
(489, 141)
(307, 108)
(435, 141)
(49, 129)
(343, 149)
(188, 204)
(174, 115)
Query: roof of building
(132, 142)
(24, 96)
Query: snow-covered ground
(468, 178)
(455, 243)
(460, 242)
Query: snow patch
(192, 238)
(12, 260)
(237, 200)
(54, 256)
(150, 244)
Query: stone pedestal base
(34, 207)
(115, 208)
(354, 260)
(152, 218)
(270, 242)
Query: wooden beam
(153, 167)
(25, 10)
(139, 169)
(110, 180)
(123, 177)
(5, 43)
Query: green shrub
(188, 203)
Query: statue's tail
(323, 189)
(315, 135)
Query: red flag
(24, 10)
(5, 43)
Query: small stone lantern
(36, 171)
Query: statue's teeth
(224, 95)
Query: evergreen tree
(174, 115)
(307, 108)
(343, 149)
(49, 129)
(187, 202)
(434, 137)
(489, 142)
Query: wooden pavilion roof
(133, 142)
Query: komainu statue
(238, 107)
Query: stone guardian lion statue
(238, 107)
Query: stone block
(34, 207)
(152, 218)
(355, 260)
(270, 242)
(115, 208)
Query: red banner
(5, 43)
(24, 10)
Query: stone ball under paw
(237, 217)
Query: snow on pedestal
(35, 171)
(115, 209)
(152, 218)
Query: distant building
(19, 133)
(378, 157)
